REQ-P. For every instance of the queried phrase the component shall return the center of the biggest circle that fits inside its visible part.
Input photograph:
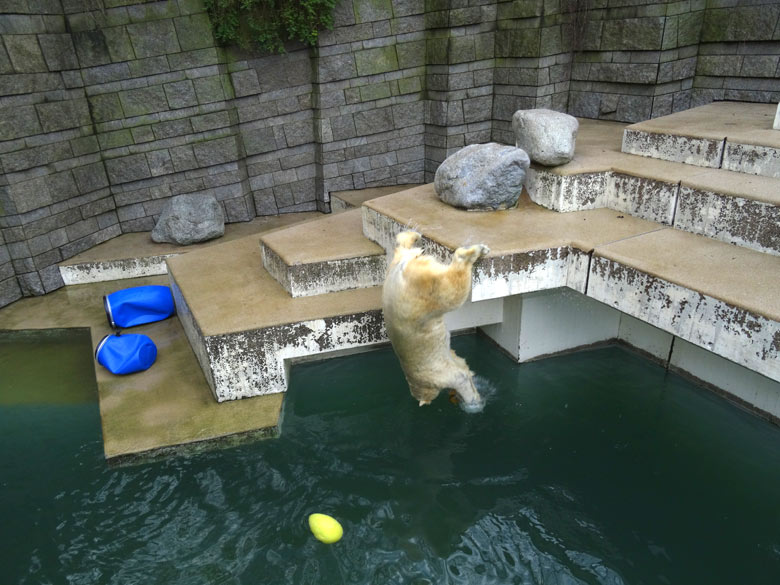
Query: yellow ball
(325, 528)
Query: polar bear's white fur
(417, 292)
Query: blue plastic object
(125, 354)
(138, 305)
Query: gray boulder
(547, 136)
(482, 176)
(188, 219)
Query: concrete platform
(325, 256)
(735, 136)
(721, 204)
(169, 404)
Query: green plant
(268, 24)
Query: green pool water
(594, 467)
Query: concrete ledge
(732, 332)
(104, 270)
(325, 256)
(752, 159)
(689, 150)
(735, 220)
(734, 136)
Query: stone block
(17, 122)
(211, 121)
(30, 194)
(408, 114)
(719, 65)
(30, 284)
(410, 54)
(84, 145)
(215, 152)
(740, 23)
(116, 139)
(409, 85)
(142, 134)
(377, 60)
(624, 72)
(551, 42)
(156, 37)
(336, 67)
(118, 42)
(373, 121)
(477, 109)
(58, 52)
(127, 168)
(245, 82)
(90, 177)
(461, 49)
(518, 43)
(172, 128)
(62, 186)
(343, 127)
(180, 94)
(194, 31)
(105, 73)
(374, 91)
(81, 229)
(51, 279)
(760, 66)
(436, 51)
(98, 207)
(160, 162)
(484, 46)
(632, 34)
(209, 89)
(149, 66)
(25, 53)
(144, 100)
(5, 62)
(634, 108)
(371, 10)
(9, 291)
(194, 59)
(258, 140)
(91, 48)
(105, 107)
(56, 116)
(297, 133)
(183, 158)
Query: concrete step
(246, 330)
(731, 207)
(718, 297)
(327, 255)
(135, 255)
(735, 136)
(353, 199)
(626, 275)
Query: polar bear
(417, 292)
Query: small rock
(482, 176)
(188, 219)
(547, 136)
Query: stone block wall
(110, 107)
(739, 52)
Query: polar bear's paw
(472, 253)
